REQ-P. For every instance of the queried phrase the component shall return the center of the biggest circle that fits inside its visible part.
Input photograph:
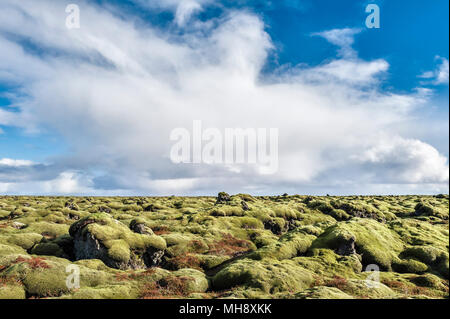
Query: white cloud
(66, 183)
(185, 10)
(440, 74)
(114, 89)
(353, 72)
(14, 162)
(343, 38)
(400, 160)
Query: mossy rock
(288, 246)
(409, 266)
(48, 229)
(48, 249)
(326, 263)
(361, 289)
(99, 236)
(428, 280)
(46, 279)
(270, 276)
(23, 240)
(197, 280)
(376, 243)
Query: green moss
(122, 291)
(289, 245)
(48, 249)
(24, 240)
(49, 229)
(428, 280)
(12, 291)
(361, 289)
(409, 266)
(41, 281)
(293, 242)
(267, 275)
(197, 280)
(10, 250)
(322, 292)
(376, 243)
(123, 245)
(324, 263)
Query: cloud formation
(440, 74)
(114, 89)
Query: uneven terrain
(225, 247)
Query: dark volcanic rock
(346, 247)
(245, 206)
(273, 227)
(223, 198)
(71, 205)
(104, 209)
(139, 227)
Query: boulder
(223, 198)
(99, 236)
(139, 226)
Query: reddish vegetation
(337, 282)
(184, 261)
(122, 277)
(33, 262)
(229, 246)
(160, 230)
(198, 246)
(407, 288)
(318, 281)
(134, 276)
(9, 281)
(171, 287)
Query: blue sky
(77, 131)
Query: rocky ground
(225, 247)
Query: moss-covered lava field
(225, 247)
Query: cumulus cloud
(403, 160)
(115, 89)
(440, 74)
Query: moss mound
(99, 236)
